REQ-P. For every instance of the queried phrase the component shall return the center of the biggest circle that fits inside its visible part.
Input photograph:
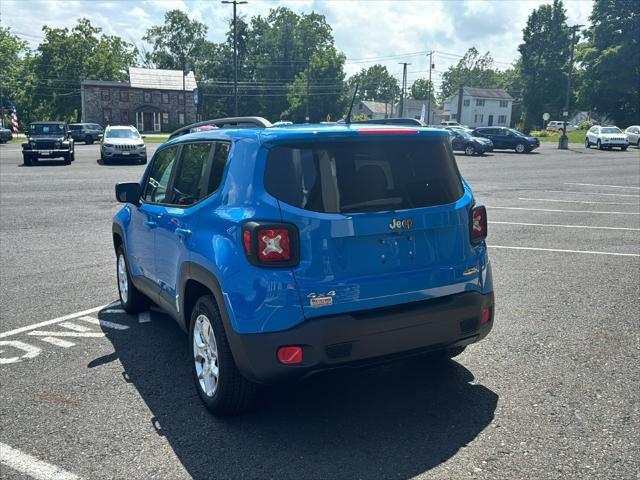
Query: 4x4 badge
(404, 223)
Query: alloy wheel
(123, 281)
(205, 355)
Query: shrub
(585, 124)
(540, 133)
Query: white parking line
(598, 185)
(32, 466)
(75, 328)
(565, 226)
(563, 211)
(42, 333)
(58, 342)
(574, 201)
(50, 322)
(565, 251)
(104, 323)
(632, 195)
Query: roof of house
(157, 79)
(376, 107)
(498, 93)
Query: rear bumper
(365, 337)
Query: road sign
(546, 116)
(565, 114)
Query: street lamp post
(563, 143)
(235, 3)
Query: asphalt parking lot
(551, 393)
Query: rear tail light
(478, 224)
(271, 244)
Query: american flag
(14, 118)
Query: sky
(367, 31)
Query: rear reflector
(273, 244)
(478, 225)
(387, 131)
(486, 315)
(246, 238)
(290, 355)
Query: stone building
(152, 100)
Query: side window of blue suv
(156, 190)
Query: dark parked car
(463, 141)
(507, 139)
(48, 140)
(5, 135)
(86, 132)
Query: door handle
(150, 223)
(183, 232)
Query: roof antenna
(353, 99)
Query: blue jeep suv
(286, 251)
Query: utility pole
(307, 102)
(404, 88)
(430, 87)
(235, 3)
(563, 143)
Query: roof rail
(230, 122)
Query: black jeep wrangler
(48, 140)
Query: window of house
(147, 97)
(124, 95)
(124, 116)
(106, 115)
(165, 117)
(181, 118)
(156, 188)
(165, 97)
(106, 94)
(453, 116)
(466, 102)
(503, 104)
(181, 98)
(479, 103)
(479, 118)
(502, 119)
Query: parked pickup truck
(48, 140)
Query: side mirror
(143, 136)
(128, 192)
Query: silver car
(633, 135)
(122, 143)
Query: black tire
(67, 159)
(521, 148)
(587, 143)
(26, 161)
(103, 159)
(638, 143)
(88, 140)
(599, 144)
(623, 149)
(233, 393)
(73, 156)
(143, 160)
(133, 301)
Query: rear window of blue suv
(367, 176)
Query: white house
(481, 107)
(374, 110)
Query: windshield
(75, 127)
(122, 133)
(611, 130)
(46, 129)
(463, 134)
(351, 177)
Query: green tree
(610, 59)
(66, 57)
(12, 65)
(319, 89)
(473, 70)
(376, 84)
(545, 54)
(421, 89)
(176, 43)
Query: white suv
(122, 142)
(606, 137)
(633, 135)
